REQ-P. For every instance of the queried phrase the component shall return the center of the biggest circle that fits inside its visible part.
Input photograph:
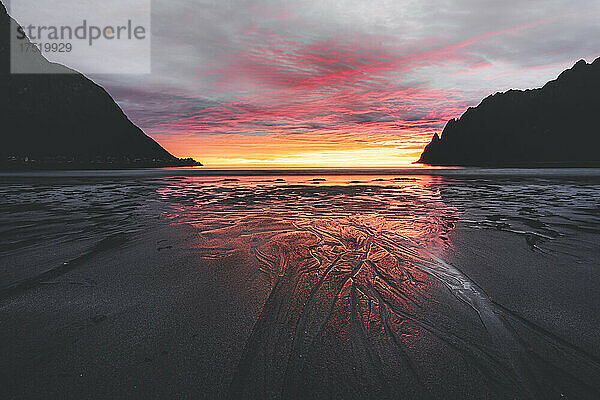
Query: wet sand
(159, 317)
(559, 293)
(210, 295)
(147, 319)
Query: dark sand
(342, 303)
(148, 319)
(154, 317)
(560, 293)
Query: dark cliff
(66, 120)
(552, 126)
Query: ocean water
(77, 206)
(364, 298)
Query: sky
(344, 83)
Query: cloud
(383, 71)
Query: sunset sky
(338, 83)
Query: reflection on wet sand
(362, 304)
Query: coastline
(195, 171)
(22, 166)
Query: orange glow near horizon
(331, 104)
(297, 151)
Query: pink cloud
(341, 89)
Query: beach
(473, 285)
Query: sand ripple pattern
(362, 304)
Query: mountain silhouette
(551, 126)
(58, 120)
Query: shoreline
(458, 172)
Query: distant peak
(551, 126)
